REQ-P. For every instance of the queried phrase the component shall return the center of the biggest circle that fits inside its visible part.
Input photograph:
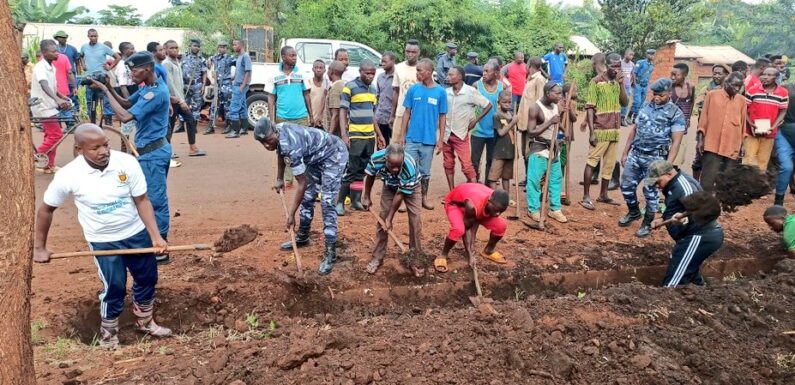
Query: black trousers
(190, 123)
(386, 132)
(478, 144)
(711, 165)
(358, 157)
(688, 255)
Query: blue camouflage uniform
(223, 75)
(653, 135)
(643, 70)
(150, 109)
(193, 67)
(323, 158)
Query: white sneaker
(174, 164)
(154, 329)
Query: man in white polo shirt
(114, 211)
(44, 87)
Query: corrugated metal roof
(583, 46)
(716, 54)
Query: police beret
(651, 51)
(196, 41)
(263, 129)
(472, 55)
(140, 58)
(451, 45)
(661, 85)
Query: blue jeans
(628, 90)
(237, 106)
(155, 168)
(92, 98)
(515, 99)
(423, 155)
(785, 151)
(638, 98)
(113, 273)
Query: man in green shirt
(779, 221)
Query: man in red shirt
(516, 72)
(767, 105)
(468, 206)
(752, 80)
(65, 77)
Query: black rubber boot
(301, 240)
(243, 127)
(779, 200)
(356, 201)
(632, 216)
(235, 127)
(227, 127)
(615, 181)
(645, 228)
(329, 259)
(345, 190)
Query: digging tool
(668, 221)
(98, 253)
(392, 235)
(478, 301)
(545, 193)
(292, 236)
(126, 139)
(569, 127)
(516, 147)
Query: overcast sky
(148, 7)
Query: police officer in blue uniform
(695, 241)
(149, 108)
(318, 161)
(656, 136)
(222, 64)
(194, 72)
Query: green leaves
(30, 11)
(120, 15)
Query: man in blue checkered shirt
(401, 180)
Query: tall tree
(16, 204)
(40, 11)
(120, 15)
(642, 24)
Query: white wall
(138, 36)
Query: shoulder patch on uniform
(149, 95)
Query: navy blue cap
(661, 85)
(472, 55)
(139, 58)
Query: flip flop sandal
(608, 201)
(587, 204)
(440, 264)
(373, 266)
(198, 153)
(495, 257)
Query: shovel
(479, 301)
(516, 174)
(99, 253)
(292, 237)
(392, 235)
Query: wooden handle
(517, 152)
(667, 222)
(391, 234)
(99, 253)
(292, 235)
(545, 193)
(477, 281)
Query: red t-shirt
(62, 70)
(476, 193)
(752, 81)
(517, 76)
(764, 105)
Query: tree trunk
(16, 211)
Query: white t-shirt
(104, 199)
(122, 72)
(48, 107)
(405, 77)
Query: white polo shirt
(104, 199)
(47, 107)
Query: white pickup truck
(308, 51)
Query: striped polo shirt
(764, 105)
(407, 179)
(360, 100)
(289, 91)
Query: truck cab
(308, 51)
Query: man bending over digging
(468, 206)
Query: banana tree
(42, 11)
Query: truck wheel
(257, 107)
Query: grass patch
(35, 327)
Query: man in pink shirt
(65, 77)
(516, 72)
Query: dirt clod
(414, 258)
(740, 185)
(235, 237)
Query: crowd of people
(338, 131)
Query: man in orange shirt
(720, 129)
